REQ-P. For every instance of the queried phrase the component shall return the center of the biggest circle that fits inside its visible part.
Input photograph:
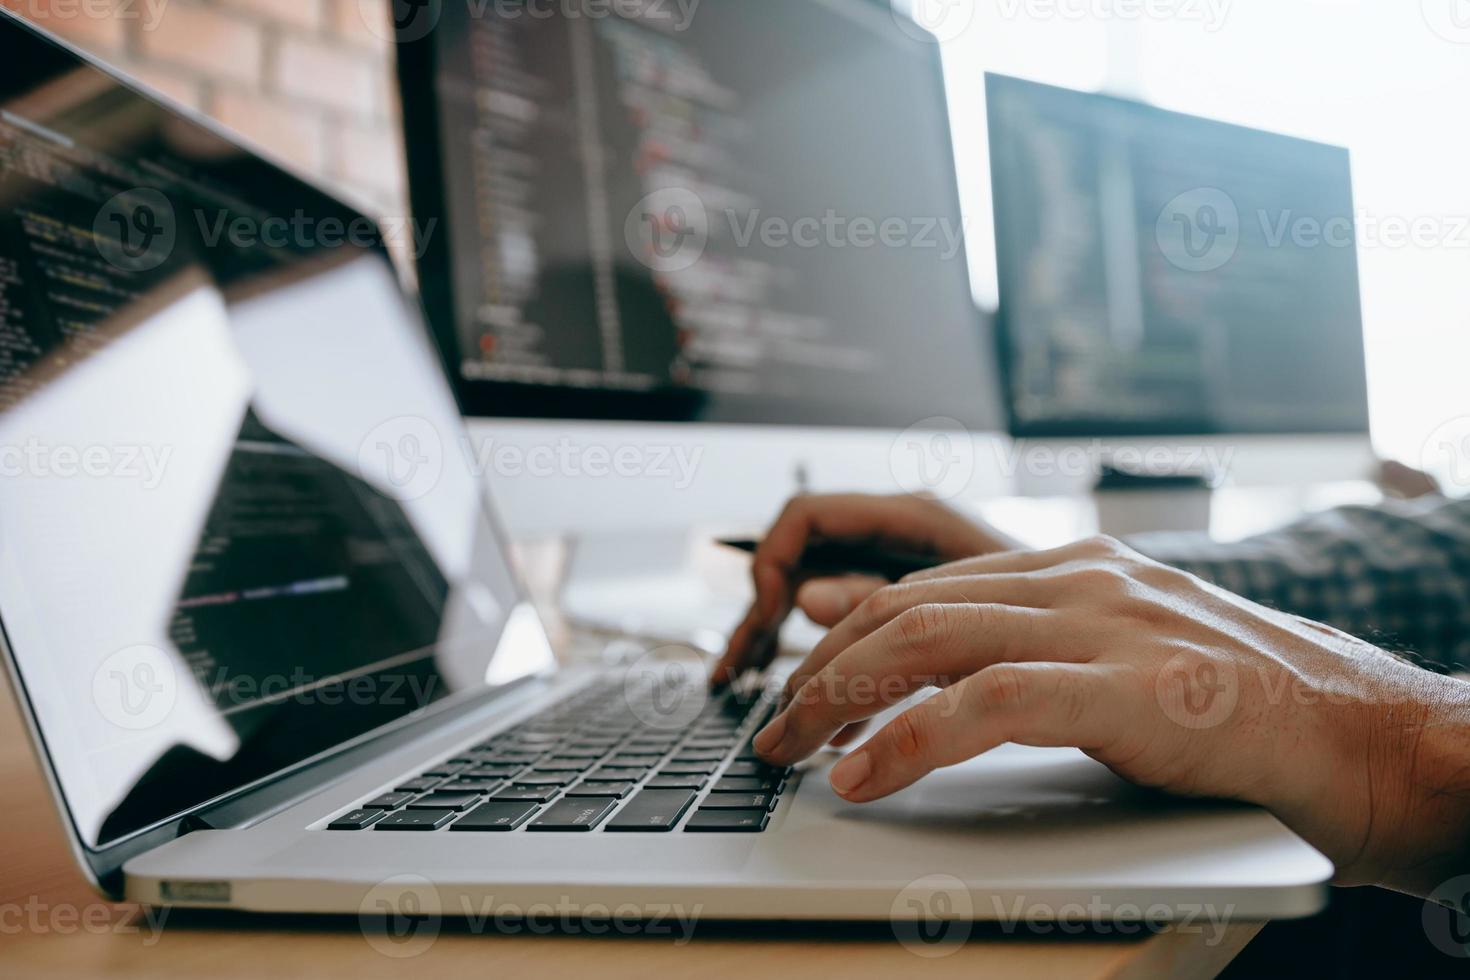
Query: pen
(847, 558)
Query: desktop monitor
(740, 213)
(1167, 275)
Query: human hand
(902, 523)
(1170, 682)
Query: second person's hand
(901, 523)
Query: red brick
(301, 14)
(330, 75)
(285, 131)
(90, 24)
(363, 22)
(206, 39)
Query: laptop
(274, 653)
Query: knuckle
(1110, 577)
(1071, 700)
(1001, 689)
(881, 606)
(925, 627)
(909, 737)
(1102, 544)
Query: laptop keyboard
(606, 759)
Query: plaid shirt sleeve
(1396, 575)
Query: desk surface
(52, 924)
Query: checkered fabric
(1397, 575)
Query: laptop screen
(237, 524)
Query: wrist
(1416, 814)
(1432, 844)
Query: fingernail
(851, 773)
(771, 735)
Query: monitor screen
(731, 211)
(235, 536)
(1165, 274)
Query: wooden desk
(53, 925)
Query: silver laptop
(274, 654)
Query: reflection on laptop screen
(238, 529)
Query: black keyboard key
(688, 769)
(583, 751)
(472, 786)
(657, 746)
(621, 774)
(447, 769)
(445, 801)
(563, 765)
(696, 744)
(538, 778)
(652, 811)
(677, 782)
(699, 755)
(749, 784)
(416, 820)
(356, 820)
(707, 821)
(493, 772)
(532, 794)
(388, 801)
(574, 814)
(417, 785)
(757, 769)
(496, 816)
(635, 761)
(618, 790)
(739, 801)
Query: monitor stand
(649, 584)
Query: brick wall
(311, 81)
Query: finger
(1044, 704)
(1007, 562)
(906, 655)
(902, 522)
(828, 601)
(882, 607)
(750, 647)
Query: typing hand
(904, 523)
(1170, 682)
